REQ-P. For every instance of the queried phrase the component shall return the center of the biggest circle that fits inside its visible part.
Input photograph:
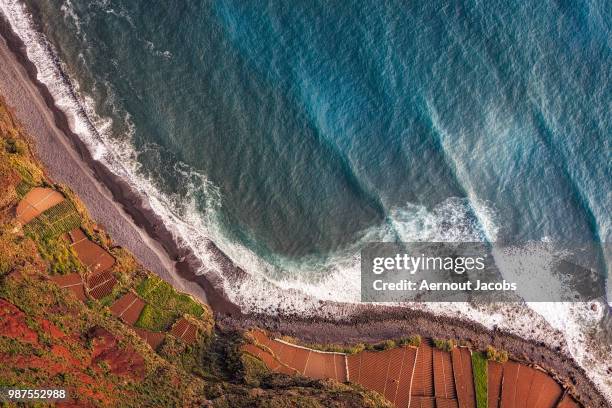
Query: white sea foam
(338, 277)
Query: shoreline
(146, 237)
(136, 227)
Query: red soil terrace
(184, 330)
(101, 284)
(121, 360)
(91, 254)
(128, 308)
(464, 379)
(36, 202)
(72, 282)
(154, 339)
(421, 376)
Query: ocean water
(291, 134)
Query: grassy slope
(211, 372)
(164, 306)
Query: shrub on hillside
(414, 340)
(499, 356)
(14, 146)
(445, 345)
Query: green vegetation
(499, 356)
(12, 347)
(60, 256)
(445, 345)
(46, 230)
(165, 305)
(23, 188)
(382, 346)
(253, 370)
(414, 340)
(338, 348)
(481, 381)
(152, 319)
(55, 221)
(27, 170)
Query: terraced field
(72, 282)
(128, 308)
(423, 377)
(54, 221)
(92, 255)
(35, 202)
(164, 305)
(184, 330)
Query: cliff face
(78, 312)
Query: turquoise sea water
(303, 129)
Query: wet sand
(134, 226)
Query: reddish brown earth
(568, 402)
(300, 358)
(92, 255)
(101, 284)
(464, 380)
(123, 303)
(13, 324)
(311, 363)
(128, 308)
(267, 358)
(50, 329)
(63, 352)
(423, 375)
(340, 367)
(444, 384)
(404, 374)
(446, 403)
(466, 358)
(10, 178)
(36, 202)
(132, 313)
(523, 386)
(315, 366)
(374, 370)
(534, 398)
(422, 402)
(49, 366)
(495, 383)
(58, 358)
(121, 361)
(73, 282)
(548, 395)
(184, 330)
(509, 379)
(154, 339)
(76, 235)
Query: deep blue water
(322, 124)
